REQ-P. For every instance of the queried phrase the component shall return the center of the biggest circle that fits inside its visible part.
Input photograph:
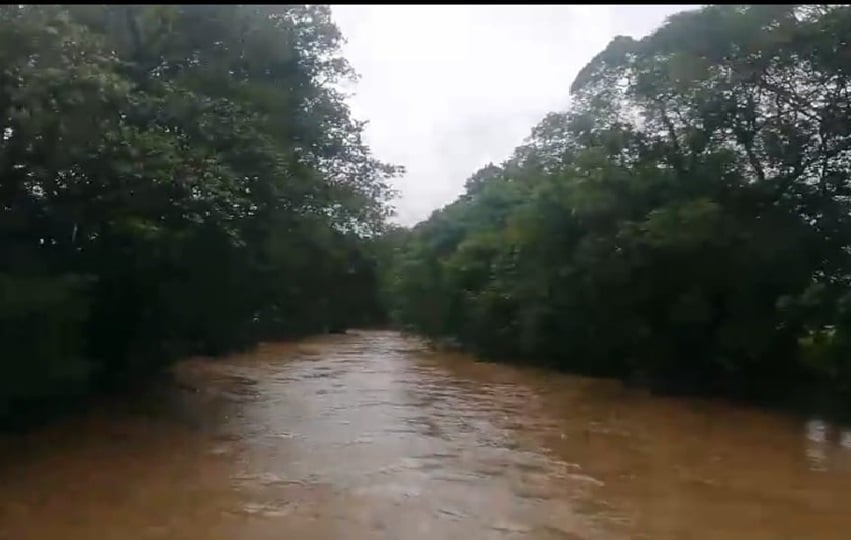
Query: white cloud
(446, 88)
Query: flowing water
(371, 435)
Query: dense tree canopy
(687, 222)
(174, 179)
(188, 179)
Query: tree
(177, 179)
(686, 222)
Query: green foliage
(42, 323)
(687, 223)
(197, 166)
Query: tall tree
(176, 179)
(685, 222)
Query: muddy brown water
(371, 435)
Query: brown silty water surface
(371, 435)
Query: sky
(447, 89)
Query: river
(372, 435)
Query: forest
(683, 225)
(184, 179)
(175, 180)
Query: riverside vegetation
(188, 179)
(174, 180)
(685, 223)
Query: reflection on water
(369, 435)
(816, 447)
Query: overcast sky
(447, 89)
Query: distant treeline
(686, 223)
(174, 179)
